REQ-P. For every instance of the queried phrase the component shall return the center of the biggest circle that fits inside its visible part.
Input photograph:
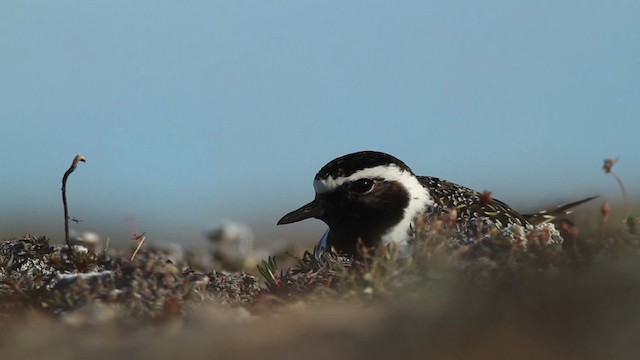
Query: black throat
(363, 221)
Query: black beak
(312, 209)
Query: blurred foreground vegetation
(490, 300)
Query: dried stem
(622, 188)
(140, 239)
(608, 168)
(71, 169)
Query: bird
(371, 198)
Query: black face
(361, 210)
(363, 204)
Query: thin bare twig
(140, 239)
(71, 169)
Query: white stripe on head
(389, 172)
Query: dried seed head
(608, 164)
(485, 197)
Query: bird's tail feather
(550, 214)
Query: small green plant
(269, 271)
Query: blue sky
(193, 111)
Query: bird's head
(362, 196)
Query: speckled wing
(469, 204)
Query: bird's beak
(312, 209)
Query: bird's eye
(362, 186)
